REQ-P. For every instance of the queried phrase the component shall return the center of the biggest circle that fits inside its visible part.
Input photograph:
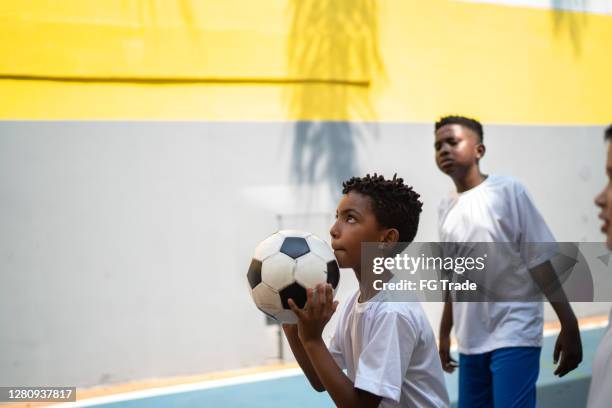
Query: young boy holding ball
(388, 348)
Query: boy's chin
(342, 261)
(449, 171)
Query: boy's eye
(350, 219)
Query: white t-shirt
(389, 349)
(498, 210)
(600, 393)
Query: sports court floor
(290, 388)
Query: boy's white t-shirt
(600, 393)
(498, 210)
(389, 349)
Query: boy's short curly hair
(608, 133)
(469, 123)
(394, 204)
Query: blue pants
(501, 378)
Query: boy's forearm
(566, 316)
(446, 323)
(340, 388)
(546, 278)
(301, 357)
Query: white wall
(124, 245)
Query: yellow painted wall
(270, 60)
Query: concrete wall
(124, 245)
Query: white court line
(243, 379)
(177, 389)
(578, 6)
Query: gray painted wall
(124, 245)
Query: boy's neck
(469, 179)
(366, 284)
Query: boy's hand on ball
(319, 308)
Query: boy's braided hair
(394, 204)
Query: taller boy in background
(388, 348)
(499, 342)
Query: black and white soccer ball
(284, 265)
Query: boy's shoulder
(381, 308)
(511, 188)
(411, 311)
(495, 180)
(493, 184)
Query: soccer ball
(284, 265)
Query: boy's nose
(444, 149)
(333, 231)
(600, 199)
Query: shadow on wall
(334, 45)
(572, 22)
(147, 12)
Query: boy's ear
(391, 236)
(480, 151)
(390, 240)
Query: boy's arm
(533, 229)
(312, 320)
(338, 385)
(291, 332)
(446, 324)
(568, 344)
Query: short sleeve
(386, 356)
(537, 243)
